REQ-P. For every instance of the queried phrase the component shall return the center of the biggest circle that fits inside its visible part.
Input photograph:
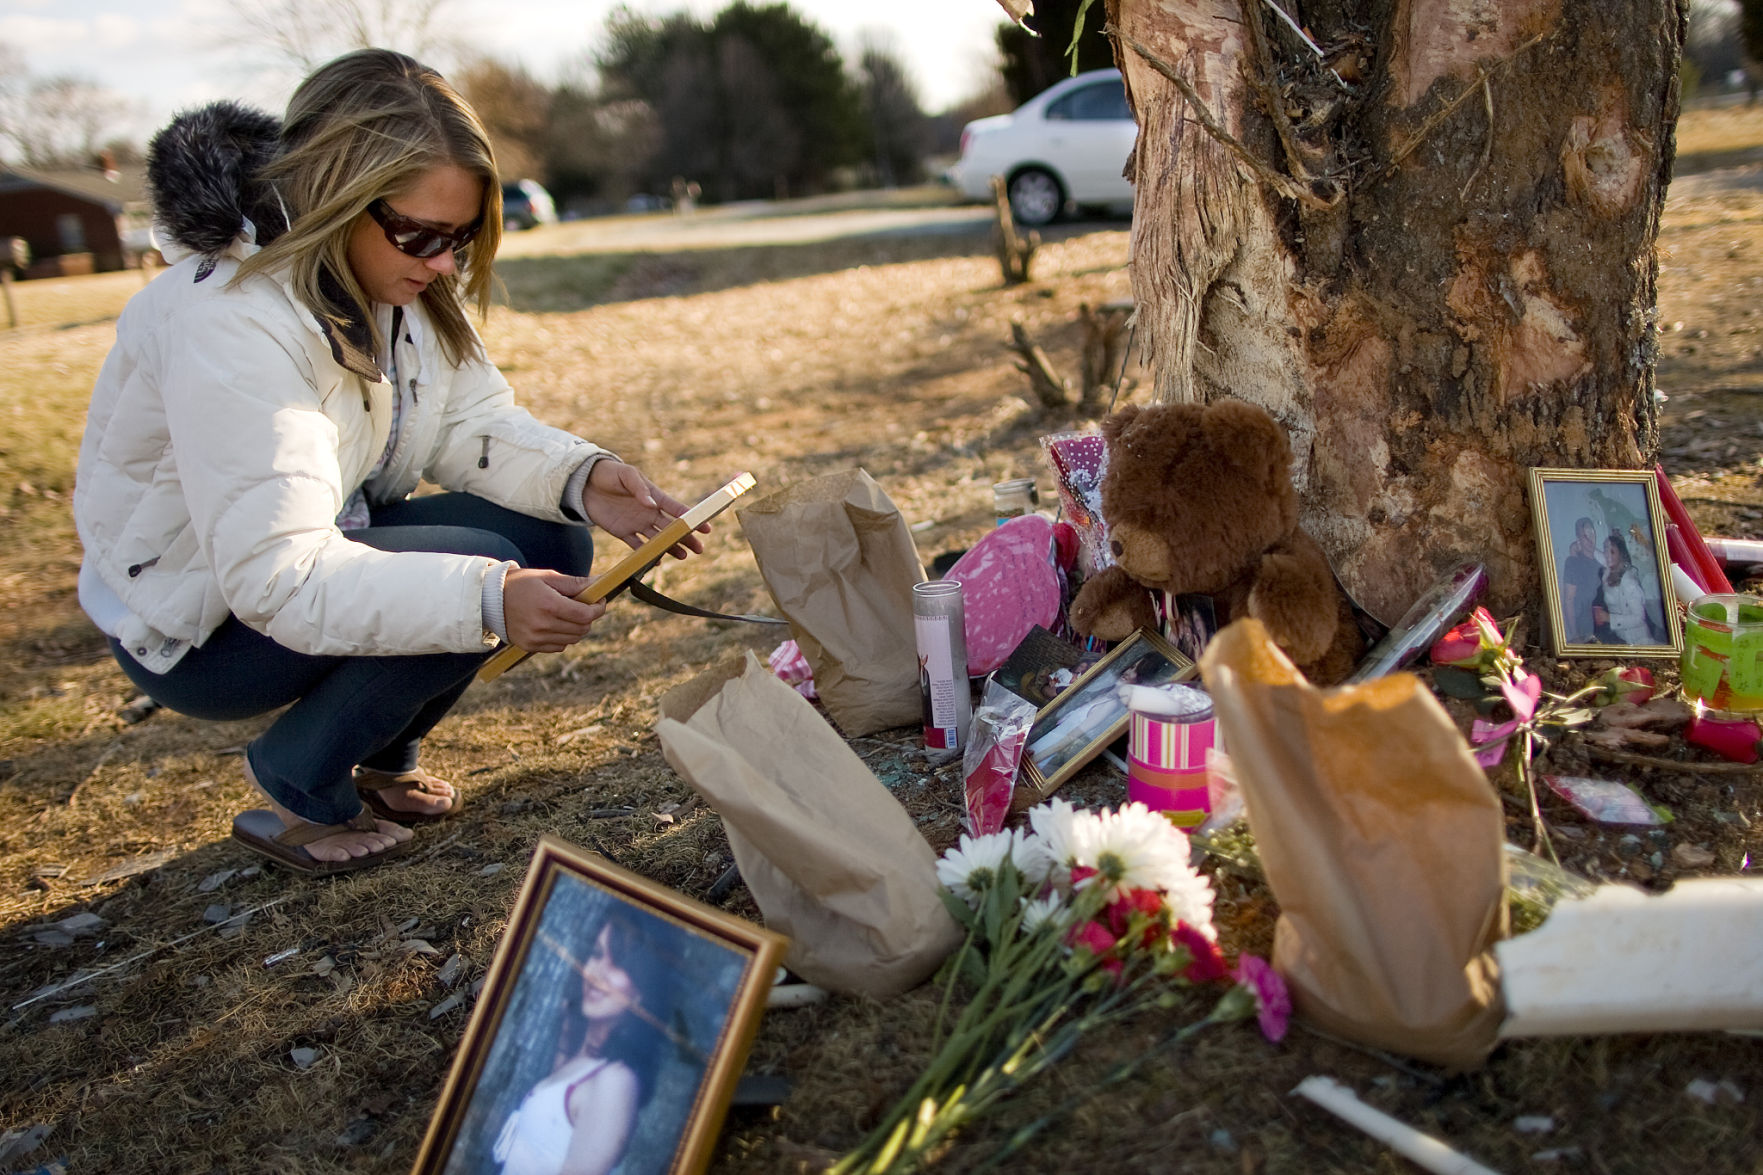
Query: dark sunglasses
(416, 239)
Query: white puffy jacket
(226, 429)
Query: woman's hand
(541, 611)
(621, 501)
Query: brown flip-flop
(261, 831)
(370, 783)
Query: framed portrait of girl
(610, 1032)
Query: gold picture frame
(664, 994)
(1079, 724)
(1584, 519)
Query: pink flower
(1633, 684)
(1489, 741)
(1273, 1004)
(1463, 645)
(1095, 938)
(1206, 965)
(1136, 901)
(1522, 693)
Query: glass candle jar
(1014, 498)
(1722, 665)
(939, 623)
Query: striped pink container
(1166, 767)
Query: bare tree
(306, 33)
(515, 109)
(1420, 233)
(59, 121)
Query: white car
(1065, 146)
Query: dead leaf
(1657, 714)
(135, 866)
(1625, 738)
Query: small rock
(80, 1012)
(215, 880)
(1715, 1093)
(303, 1058)
(1222, 1140)
(1533, 1124)
(134, 798)
(85, 922)
(1686, 856)
(1556, 1154)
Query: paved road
(752, 223)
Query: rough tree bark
(1421, 236)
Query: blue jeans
(371, 711)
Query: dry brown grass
(787, 360)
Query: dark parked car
(525, 203)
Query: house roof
(127, 190)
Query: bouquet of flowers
(1083, 920)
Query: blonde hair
(361, 128)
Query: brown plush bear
(1199, 499)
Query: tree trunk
(1425, 246)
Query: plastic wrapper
(1534, 885)
(994, 752)
(1604, 800)
(1426, 619)
(1079, 460)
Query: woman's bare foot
(416, 792)
(339, 846)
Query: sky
(164, 55)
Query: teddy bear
(1199, 499)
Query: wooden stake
(1043, 378)
(1014, 250)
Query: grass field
(166, 1038)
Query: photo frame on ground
(1606, 571)
(1080, 723)
(611, 1028)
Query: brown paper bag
(1381, 840)
(831, 858)
(840, 564)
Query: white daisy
(971, 867)
(1141, 849)
(1062, 836)
(1050, 910)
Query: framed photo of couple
(1079, 724)
(1606, 572)
(610, 1032)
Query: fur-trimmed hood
(202, 171)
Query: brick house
(76, 221)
